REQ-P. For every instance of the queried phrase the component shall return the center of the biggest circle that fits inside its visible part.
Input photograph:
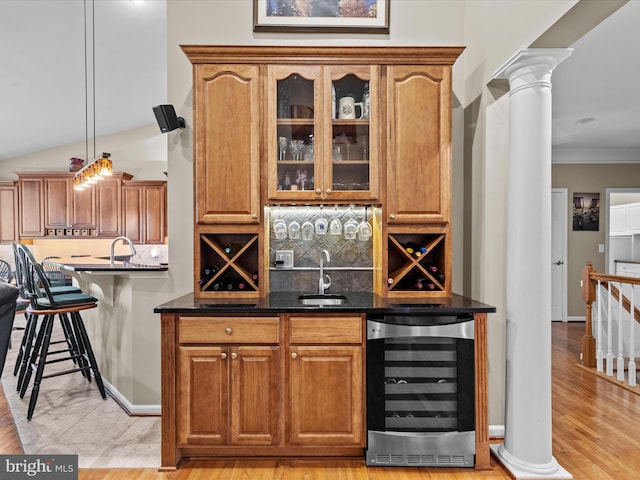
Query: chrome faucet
(322, 284)
(124, 240)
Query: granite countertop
(357, 302)
(96, 264)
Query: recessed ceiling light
(584, 120)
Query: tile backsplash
(307, 231)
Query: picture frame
(322, 16)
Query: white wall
(142, 152)
(492, 32)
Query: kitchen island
(123, 330)
(272, 377)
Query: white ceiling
(42, 70)
(599, 80)
(42, 76)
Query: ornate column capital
(531, 67)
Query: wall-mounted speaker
(167, 118)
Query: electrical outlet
(286, 257)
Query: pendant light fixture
(102, 166)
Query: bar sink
(319, 299)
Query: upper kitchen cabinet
(144, 206)
(418, 144)
(9, 212)
(31, 199)
(227, 143)
(109, 205)
(322, 132)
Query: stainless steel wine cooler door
(420, 391)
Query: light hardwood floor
(595, 436)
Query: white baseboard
(576, 319)
(131, 409)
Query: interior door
(559, 223)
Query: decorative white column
(526, 451)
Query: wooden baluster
(588, 295)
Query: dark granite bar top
(357, 302)
(94, 264)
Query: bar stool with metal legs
(44, 303)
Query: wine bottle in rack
(412, 248)
(254, 276)
(424, 284)
(435, 272)
(207, 274)
(232, 248)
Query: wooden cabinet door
(144, 206)
(57, 201)
(418, 144)
(254, 405)
(8, 212)
(227, 146)
(326, 395)
(83, 214)
(109, 205)
(155, 212)
(202, 397)
(32, 206)
(133, 206)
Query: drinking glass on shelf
(282, 145)
(296, 149)
(363, 141)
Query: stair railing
(617, 295)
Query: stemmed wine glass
(282, 145)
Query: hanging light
(101, 167)
(94, 172)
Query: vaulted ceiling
(43, 93)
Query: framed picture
(325, 16)
(586, 211)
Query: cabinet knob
(223, 355)
(328, 190)
(318, 191)
(234, 355)
(294, 355)
(392, 216)
(228, 331)
(254, 215)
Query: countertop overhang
(92, 264)
(357, 302)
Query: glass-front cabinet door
(295, 125)
(351, 138)
(322, 141)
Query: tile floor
(72, 418)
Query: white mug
(348, 108)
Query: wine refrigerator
(420, 391)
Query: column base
(520, 469)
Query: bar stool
(64, 306)
(20, 251)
